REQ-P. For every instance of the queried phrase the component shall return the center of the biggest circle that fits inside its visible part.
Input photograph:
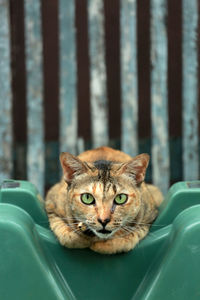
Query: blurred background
(172, 20)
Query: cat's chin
(103, 235)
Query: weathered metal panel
(159, 107)
(98, 94)
(68, 77)
(129, 94)
(190, 90)
(80, 145)
(34, 88)
(5, 94)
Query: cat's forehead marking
(114, 188)
(108, 186)
(98, 188)
(94, 188)
(103, 167)
(102, 164)
(101, 192)
(110, 189)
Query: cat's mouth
(104, 231)
(89, 232)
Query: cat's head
(105, 196)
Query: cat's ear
(71, 166)
(136, 168)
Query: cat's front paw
(103, 247)
(73, 240)
(66, 235)
(116, 245)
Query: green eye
(121, 199)
(87, 199)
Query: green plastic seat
(33, 265)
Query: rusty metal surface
(6, 158)
(98, 93)
(68, 77)
(159, 100)
(129, 76)
(190, 91)
(34, 88)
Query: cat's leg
(66, 235)
(122, 243)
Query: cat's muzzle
(102, 233)
(85, 230)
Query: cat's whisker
(149, 224)
(71, 222)
(71, 219)
(132, 221)
(78, 230)
(129, 230)
(125, 229)
(124, 234)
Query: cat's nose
(104, 222)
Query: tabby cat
(102, 201)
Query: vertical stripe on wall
(128, 46)
(5, 94)
(34, 88)
(80, 145)
(159, 109)
(98, 95)
(68, 77)
(190, 90)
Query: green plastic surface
(33, 265)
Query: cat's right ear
(136, 168)
(71, 166)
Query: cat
(102, 201)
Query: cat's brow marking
(102, 164)
(76, 194)
(114, 188)
(103, 167)
(132, 195)
(94, 188)
(108, 187)
(89, 167)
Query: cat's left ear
(136, 168)
(72, 166)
